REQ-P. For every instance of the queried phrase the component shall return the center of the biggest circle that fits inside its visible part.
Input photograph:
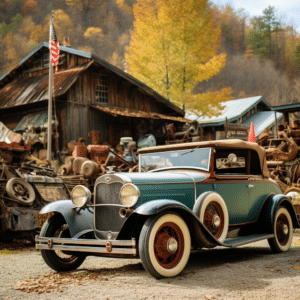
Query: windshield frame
(184, 151)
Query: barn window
(101, 89)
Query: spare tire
(20, 190)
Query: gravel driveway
(249, 272)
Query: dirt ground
(249, 272)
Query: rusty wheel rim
(281, 225)
(212, 210)
(168, 232)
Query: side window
(255, 168)
(101, 89)
(231, 162)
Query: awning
(34, 89)
(117, 111)
(36, 120)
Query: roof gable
(233, 110)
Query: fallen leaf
(297, 267)
(297, 243)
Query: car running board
(240, 241)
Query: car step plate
(239, 241)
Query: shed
(89, 94)
(235, 119)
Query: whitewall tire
(165, 245)
(283, 231)
(212, 212)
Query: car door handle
(250, 185)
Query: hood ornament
(110, 170)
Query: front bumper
(95, 247)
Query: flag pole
(49, 142)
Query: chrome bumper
(111, 247)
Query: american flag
(54, 48)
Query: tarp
(9, 136)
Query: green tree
(174, 46)
(297, 60)
(259, 37)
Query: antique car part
(179, 199)
(20, 190)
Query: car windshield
(191, 158)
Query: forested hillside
(263, 55)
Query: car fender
(77, 221)
(199, 233)
(269, 209)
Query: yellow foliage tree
(173, 47)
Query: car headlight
(80, 195)
(129, 195)
(294, 196)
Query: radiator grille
(107, 218)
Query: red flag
(251, 135)
(54, 48)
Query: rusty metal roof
(101, 62)
(34, 89)
(118, 111)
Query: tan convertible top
(221, 144)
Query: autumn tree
(173, 46)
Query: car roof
(218, 144)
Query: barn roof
(28, 87)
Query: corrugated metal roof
(262, 120)
(105, 64)
(233, 110)
(36, 120)
(34, 89)
(117, 111)
(287, 107)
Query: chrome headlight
(80, 196)
(129, 195)
(294, 196)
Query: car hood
(166, 177)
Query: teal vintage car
(185, 196)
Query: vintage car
(185, 196)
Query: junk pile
(190, 133)
(283, 159)
(26, 185)
(88, 162)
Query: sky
(288, 11)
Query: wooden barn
(89, 94)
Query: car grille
(108, 222)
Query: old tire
(212, 212)
(164, 245)
(56, 259)
(283, 230)
(20, 190)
